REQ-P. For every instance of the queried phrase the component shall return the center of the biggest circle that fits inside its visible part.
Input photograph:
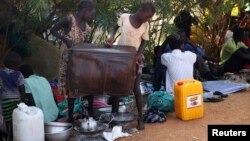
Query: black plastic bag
(153, 115)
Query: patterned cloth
(8, 105)
(76, 35)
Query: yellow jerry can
(188, 99)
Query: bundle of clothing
(153, 115)
(158, 104)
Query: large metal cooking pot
(94, 69)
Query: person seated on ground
(234, 53)
(179, 63)
(190, 46)
(184, 21)
(40, 89)
(202, 71)
(12, 89)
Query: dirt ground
(233, 110)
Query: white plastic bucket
(28, 123)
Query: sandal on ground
(220, 94)
(215, 98)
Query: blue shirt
(195, 49)
(11, 80)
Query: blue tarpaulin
(223, 86)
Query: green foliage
(38, 16)
(19, 43)
(30, 14)
(216, 21)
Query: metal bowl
(57, 131)
(99, 129)
(108, 109)
(104, 98)
(55, 127)
(123, 107)
(123, 117)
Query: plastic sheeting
(224, 86)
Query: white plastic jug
(28, 123)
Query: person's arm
(1, 85)
(30, 99)
(20, 85)
(113, 31)
(140, 51)
(141, 47)
(27, 98)
(111, 39)
(21, 89)
(66, 25)
(164, 60)
(144, 39)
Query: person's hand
(110, 41)
(139, 59)
(139, 62)
(107, 46)
(69, 43)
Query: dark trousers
(201, 66)
(159, 75)
(237, 61)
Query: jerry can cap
(179, 83)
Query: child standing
(75, 30)
(13, 86)
(135, 32)
(134, 28)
